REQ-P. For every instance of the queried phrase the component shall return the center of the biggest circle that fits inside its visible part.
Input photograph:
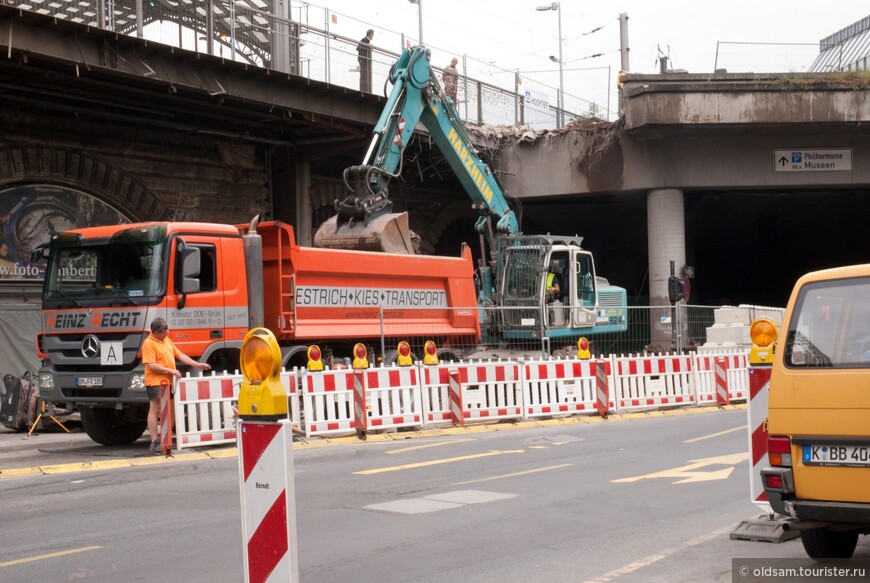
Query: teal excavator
(513, 267)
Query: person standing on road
(364, 50)
(450, 78)
(158, 356)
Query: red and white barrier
(204, 410)
(653, 381)
(557, 387)
(165, 417)
(394, 397)
(720, 366)
(436, 395)
(756, 413)
(482, 391)
(491, 390)
(328, 401)
(268, 502)
(737, 377)
(204, 405)
(602, 391)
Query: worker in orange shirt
(158, 355)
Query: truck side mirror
(187, 269)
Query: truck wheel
(823, 543)
(113, 427)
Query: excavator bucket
(387, 233)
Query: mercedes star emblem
(90, 346)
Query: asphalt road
(646, 498)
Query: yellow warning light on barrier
(315, 358)
(262, 394)
(430, 353)
(404, 358)
(583, 349)
(763, 333)
(359, 356)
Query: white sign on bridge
(812, 160)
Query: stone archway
(80, 171)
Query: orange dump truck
(211, 283)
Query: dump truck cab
(819, 406)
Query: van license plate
(89, 381)
(836, 455)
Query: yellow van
(819, 412)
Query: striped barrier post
(456, 397)
(165, 418)
(602, 394)
(721, 368)
(268, 501)
(360, 410)
(759, 385)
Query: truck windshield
(831, 326)
(108, 273)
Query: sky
(500, 37)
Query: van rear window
(830, 326)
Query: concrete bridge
(698, 171)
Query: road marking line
(689, 472)
(651, 559)
(48, 556)
(726, 432)
(437, 462)
(535, 471)
(436, 444)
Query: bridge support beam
(666, 232)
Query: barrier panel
(602, 388)
(737, 376)
(556, 387)
(650, 381)
(491, 390)
(435, 392)
(487, 391)
(204, 413)
(394, 397)
(328, 402)
(756, 413)
(204, 410)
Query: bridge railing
(303, 44)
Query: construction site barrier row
(347, 401)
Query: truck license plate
(89, 381)
(836, 455)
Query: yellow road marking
(427, 445)
(689, 472)
(437, 462)
(726, 432)
(535, 471)
(48, 556)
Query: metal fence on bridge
(305, 45)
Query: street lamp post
(419, 4)
(560, 114)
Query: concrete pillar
(304, 213)
(666, 228)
